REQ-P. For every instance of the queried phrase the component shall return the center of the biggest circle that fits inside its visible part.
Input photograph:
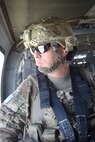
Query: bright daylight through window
(1, 68)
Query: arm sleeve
(13, 114)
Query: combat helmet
(55, 31)
(51, 30)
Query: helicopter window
(26, 67)
(1, 69)
(85, 57)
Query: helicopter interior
(17, 15)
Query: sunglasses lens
(41, 49)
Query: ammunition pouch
(39, 134)
(35, 132)
(51, 135)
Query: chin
(38, 64)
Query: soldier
(55, 104)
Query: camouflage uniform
(21, 110)
(15, 110)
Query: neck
(61, 71)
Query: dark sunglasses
(41, 49)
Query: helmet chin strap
(58, 61)
(46, 70)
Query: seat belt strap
(48, 96)
(82, 96)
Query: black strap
(44, 91)
(82, 100)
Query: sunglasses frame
(46, 47)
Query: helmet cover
(51, 30)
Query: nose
(36, 54)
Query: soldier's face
(45, 59)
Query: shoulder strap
(82, 100)
(44, 91)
